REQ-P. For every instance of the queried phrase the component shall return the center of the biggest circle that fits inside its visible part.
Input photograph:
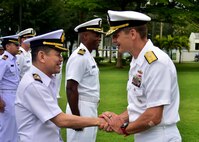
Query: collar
(84, 47)
(140, 59)
(45, 79)
(24, 51)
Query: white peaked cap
(53, 39)
(122, 19)
(30, 32)
(9, 39)
(92, 25)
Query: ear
(41, 56)
(133, 33)
(8, 47)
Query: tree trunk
(180, 58)
(119, 60)
(110, 55)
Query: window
(197, 46)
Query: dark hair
(36, 49)
(142, 30)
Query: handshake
(109, 121)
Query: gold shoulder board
(150, 57)
(81, 51)
(20, 51)
(5, 57)
(37, 77)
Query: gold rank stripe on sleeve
(150, 57)
(37, 77)
(81, 51)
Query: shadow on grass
(187, 67)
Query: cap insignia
(81, 51)
(150, 57)
(37, 77)
(63, 37)
(5, 57)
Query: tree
(182, 43)
(169, 43)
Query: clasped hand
(112, 122)
(2, 105)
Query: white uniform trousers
(8, 127)
(88, 109)
(167, 133)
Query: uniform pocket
(138, 91)
(94, 70)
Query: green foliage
(98, 59)
(168, 43)
(47, 15)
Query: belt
(89, 99)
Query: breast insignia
(81, 51)
(5, 57)
(150, 57)
(37, 77)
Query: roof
(194, 35)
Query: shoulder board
(5, 57)
(20, 51)
(37, 77)
(150, 57)
(81, 51)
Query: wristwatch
(123, 128)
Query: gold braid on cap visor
(14, 41)
(95, 29)
(57, 45)
(29, 35)
(115, 28)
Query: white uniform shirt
(84, 70)
(35, 105)
(9, 72)
(154, 84)
(24, 61)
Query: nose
(61, 58)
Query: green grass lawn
(113, 98)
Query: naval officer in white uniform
(153, 93)
(39, 118)
(24, 59)
(82, 80)
(9, 80)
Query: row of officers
(29, 111)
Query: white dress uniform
(154, 84)
(84, 70)
(24, 61)
(9, 80)
(35, 105)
